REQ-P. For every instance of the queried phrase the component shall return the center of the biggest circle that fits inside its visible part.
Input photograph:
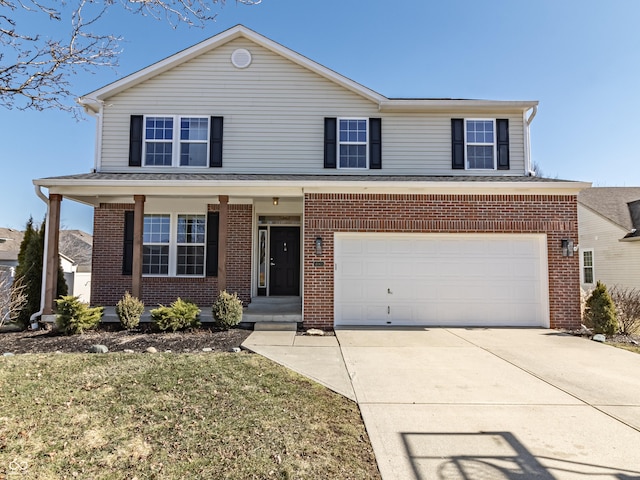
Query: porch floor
(261, 310)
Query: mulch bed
(49, 341)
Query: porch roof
(97, 187)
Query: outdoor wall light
(319, 246)
(276, 200)
(567, 247)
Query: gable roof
(76, 245)
(611, 203)
(92, 101)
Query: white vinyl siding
(616, 262)
(274, 114)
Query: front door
(284, 270)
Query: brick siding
(108, 284)
(555, 216)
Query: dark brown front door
(284, 274)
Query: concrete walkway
(318, 358)
(446, 403)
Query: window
(587, 266)
(190, 245)
(174, 245)
(176, 141)
(352, 143)
(480, 144)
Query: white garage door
(441, 279)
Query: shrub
(627, 302)
(129, 309)
(600, 312)
(75, 316)
(227, 310)
(179, 315)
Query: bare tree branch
(12, 298)
(36, 71)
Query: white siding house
(609, 250)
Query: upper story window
(352, 143)
(480, 144)
(176, 141)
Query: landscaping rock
(207, 349)
(236, 350)
(635, 342)
(599, 338)
(8, 354)
(316, 332)
(98, 349)
(126, 350)
(151, 350)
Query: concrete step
(275, 327)
(273, 301)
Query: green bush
(75, 316)
(129, 309)
(180, 315)
(600, 311)
(227, 310)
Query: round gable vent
(241, 58)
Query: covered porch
(161, 237)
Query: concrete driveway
(455, 403)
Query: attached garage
(441, 279)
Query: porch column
(222, 242)
(138, 226)
(53, 236)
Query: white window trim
(592, 267)
(173, 245)
(338, 143)
(494, 144)
(176, 142)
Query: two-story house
(239, 164)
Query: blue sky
(580, 59)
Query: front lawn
(168, 416)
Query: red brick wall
(108, 284)
(555, 216)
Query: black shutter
(215, 142)
(127, 251)
(457, 143)
(135, 141)
(375, 143)
(502, 127)
(330, 146)
(213, 222)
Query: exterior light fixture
(319, 246)
(276, 200)
(567, 247)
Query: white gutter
(33, 317)
(527, 132)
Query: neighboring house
(75, 258)
(609, 236)
(10, 241)
(239, 164)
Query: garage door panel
(441, 279)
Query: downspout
(33, 317)
(527, 122)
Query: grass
(167, 416)
(626, 346)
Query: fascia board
(92, 100)
(452, 105)
(298, 188)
